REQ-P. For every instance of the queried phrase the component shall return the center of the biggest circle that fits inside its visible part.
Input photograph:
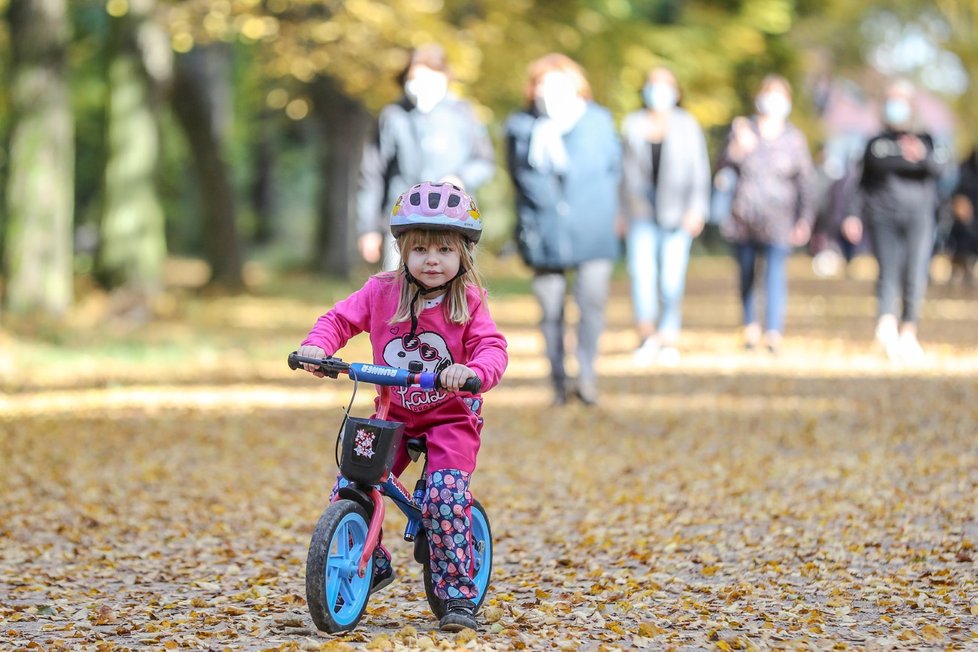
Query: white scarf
(547, 152)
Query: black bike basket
(368, 451)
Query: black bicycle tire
(319, 546)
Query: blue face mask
(659, 97)
(896, 112)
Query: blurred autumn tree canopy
(364, 43)
(230, 130)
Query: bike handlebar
(379, 374)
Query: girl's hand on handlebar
(310, 351)
(453, 377)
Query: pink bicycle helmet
(437, 207)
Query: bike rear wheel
(481, 557)
(335, 592)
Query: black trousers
(902, 242)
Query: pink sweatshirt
(477, 344)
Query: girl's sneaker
(459, 615)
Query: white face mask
(897, 112)
(555, 90)
(659, 96)
(773, 105)
(558, 99)
(426, 88)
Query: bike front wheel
(335, 592)
(481, 558)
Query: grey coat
(411, 147)
(684, 174)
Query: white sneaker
(645, 354)
(889, 340)
(668, 356)
(910, 349)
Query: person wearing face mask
(896, 201)
(564, 159)
(665, 194)
(427, 135)
(773, 206)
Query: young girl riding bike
(430, 315)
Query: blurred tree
(961, 21)
(262, 188)
(343, 124)
(324, 62)
(40, 186)
(132, 243)
(201, 98)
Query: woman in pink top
(431, 311)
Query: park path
(821, 499)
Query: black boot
(459, 615)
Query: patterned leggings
(445, 516)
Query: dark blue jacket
(565, 220)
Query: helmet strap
(424, 291)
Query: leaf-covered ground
(161, 495)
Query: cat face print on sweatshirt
(431, 351)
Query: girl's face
(433, 261)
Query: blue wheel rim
(480, 535)
(345, 591)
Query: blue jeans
(657, 261)
(775, 281)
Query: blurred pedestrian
(773, 206)
(427, 135)
(831, 251)
(897, 203)
(564, 159)
(665, 195)
(963, 237)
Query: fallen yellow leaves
(737, 503)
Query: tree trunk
(344, 125)
(263, 181)
(132, 247)
(201, 92)
(40, 187)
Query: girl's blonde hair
(455, 305)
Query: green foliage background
(719, 49)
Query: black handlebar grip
(472, 385)
(293, 363)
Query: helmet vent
(415, 198)
(433, 199)
(454, 200)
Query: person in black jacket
(897, 203)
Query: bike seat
(416, 447)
